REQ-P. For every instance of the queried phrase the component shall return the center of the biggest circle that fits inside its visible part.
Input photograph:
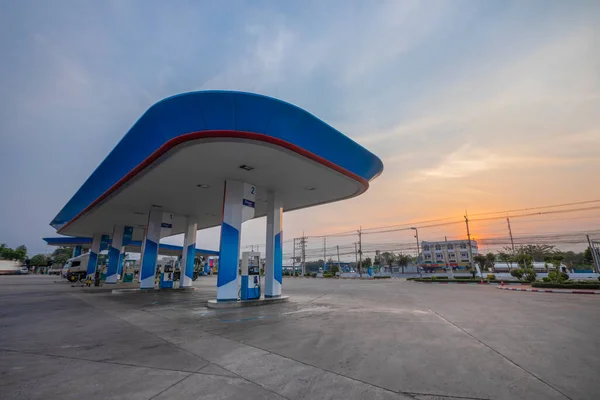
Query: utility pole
(594, 253)
(294, 257)
(303, 244)
(418, 249)
(360, 251)
(448, 267)
(470, 247)
(324, 253)
(339, 263)
(512, 242)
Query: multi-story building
(446, 254)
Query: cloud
(469, 160)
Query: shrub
(314, 274)
(327, 275)
(381, 277)
(546, 279)
(463, 277)
(517, 273)
(307, 274)
(557, 276)
(491, 277)
(530, 276)
(550, 285)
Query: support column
(127, 237)
(114, 252)
(76, 251)
(121, 262)
(238, 206)
(273, 268)
(94, 250)
(150, 250)
(186, 267)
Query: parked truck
(76, 268)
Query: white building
(446, 254)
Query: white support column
(114, 252)
(94, 250)
(273, 268)
(150, 249)
(188, 254)
(127, 237)
(238, 206)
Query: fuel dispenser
(250, 276)
(166, 277)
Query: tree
(517, 273)
(480, 259)
(388, 259)
(403, 260)
(490, 261)
(39, 260)
(367, 262)
(377, 262)
(7, 253)
(524, 260)
(588, 257)
(505, 258)
(20, 253)
(536, 251)
(68, 251)
(556, 261)
(60, 259)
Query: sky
(478, 105)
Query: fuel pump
(166, 277)
(250, 276)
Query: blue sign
(248, 203)
(127, 235)
(104, 242)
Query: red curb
(566, 291)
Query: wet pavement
(335, 339)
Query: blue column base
(271, 297)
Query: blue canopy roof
(224, 111)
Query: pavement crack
(501, 355)
(187, 351)
(33, 353)
(170, 386)
(449, 396)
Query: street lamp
(418, 249)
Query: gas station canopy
(179, 154)
(134, 246)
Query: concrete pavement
(335, 339)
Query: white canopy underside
(172, 182)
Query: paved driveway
(336, 339)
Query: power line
(539, 208)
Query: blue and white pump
(166, 278)
(250, 289)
